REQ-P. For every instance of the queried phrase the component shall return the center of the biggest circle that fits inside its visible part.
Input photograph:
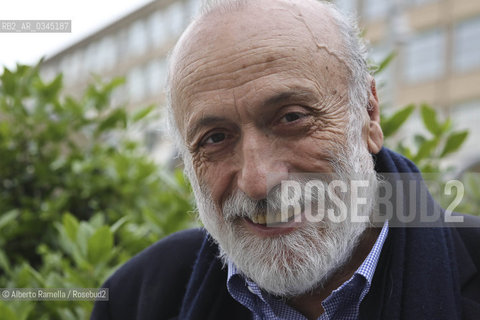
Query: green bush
(77, 197)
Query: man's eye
(214, 138)
(292, 116)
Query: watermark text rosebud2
(403, 199)
(309, 201)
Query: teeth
(276, 218)
(271, 218)
(261, 219)
(258, 219)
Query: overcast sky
(87, 16)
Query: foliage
(471, 197)
(77, 198)
(429, 150)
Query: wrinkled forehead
(224, 50)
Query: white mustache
(240, 205)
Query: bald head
(234, 35)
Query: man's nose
(261, 167)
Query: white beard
(300, 261)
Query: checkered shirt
(342, 304)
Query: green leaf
(51, 90)
(70, 224)
(142, 113)
(8, 82)
(113, 84)
(419, 139)
(6, 312)
(8, 217)
(447, 125)
(393, 123)
(426, 149)
(25, 310)
(29, 277)
(116, 118)
(97, 220)
(84, 233)
(454, 142)
(388, 59)
(472, 181)
(154, 221)
(429, 117)
(100, 245)
(405, 150)
(120, 222)
(4, 263)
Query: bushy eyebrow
(202, 122)
(294, 95)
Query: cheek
(315, 151)
(330, 136)
(200, 166)
(216, 176)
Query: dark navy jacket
(423, 273)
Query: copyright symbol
(5, 294)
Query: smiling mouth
(272, 220)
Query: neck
(310, 304)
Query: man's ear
(375, 134)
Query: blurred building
(134, 47)
(437, 44)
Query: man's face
(257, 100)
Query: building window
(375, 9)
(136, 84)
(156, 76)
(90, 57)
(468, 112)
(175, 18)
(194, 7)
(157, 28)
(121, 40)
(66, 68)
(77, 67)
(420, 2)
(107, 53)
(424, 57)
(467, 45)
(137, 38)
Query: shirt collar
(367, 268)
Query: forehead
(255, 50)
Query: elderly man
(260, 91)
